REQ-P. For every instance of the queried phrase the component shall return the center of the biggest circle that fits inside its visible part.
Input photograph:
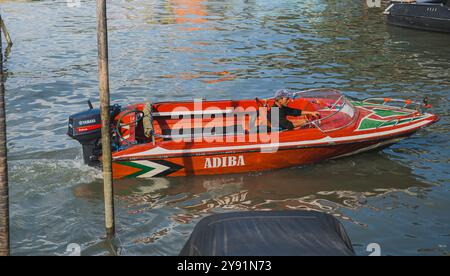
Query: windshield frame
(340, 97)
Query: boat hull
(244, 161)
(429, 17)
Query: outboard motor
(85, 127)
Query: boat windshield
(335, 109)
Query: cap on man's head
(282, 93)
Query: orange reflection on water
(183, 76)
(228, 78)
(225, 76)
(189, 11)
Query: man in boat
(282, 98)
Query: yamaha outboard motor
(85, 127)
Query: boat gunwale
(258, 148)
(323, 145)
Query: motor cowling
(85, 127)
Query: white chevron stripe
(157, 168)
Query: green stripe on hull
(360, 103)
(143, 169)
(388, 112)
(372, 123)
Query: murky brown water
(178, 49)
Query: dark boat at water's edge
(429, 15)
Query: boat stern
(85, 127)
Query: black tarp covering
(274, 233)
(431, 1)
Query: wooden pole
(5, 32)
(102, 36)
(4, 193)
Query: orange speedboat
(234, 136)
